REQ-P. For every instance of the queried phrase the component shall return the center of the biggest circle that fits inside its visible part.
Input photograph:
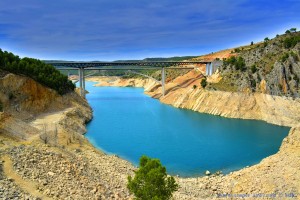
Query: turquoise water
(130, 124)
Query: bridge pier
(81, 82)
(163, 80)
(209, 69)
(212, 67)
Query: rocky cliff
(272, 109)
(182, 93)
(25, 100)
(270, 67)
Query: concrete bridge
(211, 67)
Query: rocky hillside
(271, 67)
(25, 98)
(23, 101)
(43, 154)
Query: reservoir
(130, 124)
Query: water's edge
(277, 110)
(136, 163)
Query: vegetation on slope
(271, 67)
(37, 70)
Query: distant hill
(175, 58)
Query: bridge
(159, 65)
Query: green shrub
(194, 86)
(239, 62)
(266, 40)
(43, 73)
(1, 107)
(229, 61)
(294, 55)
(203, 83)
(237, 50)
(296, 78)
(11, 96)
(253, 83)
(253, 69)
(284, 57)
(151, 181)
(291, 41)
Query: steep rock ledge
(29, 105)
(277, 110)
(272, 109)
(25, 98)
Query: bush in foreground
(151, 181)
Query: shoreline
(86, 172)
(225, 171)
(245, 180)
(186, 98)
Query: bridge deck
(146, 64)
(159, 65)
(142, 68)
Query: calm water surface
(130, 124)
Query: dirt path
(51, 118)
(25, 185)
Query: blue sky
(133, 29)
